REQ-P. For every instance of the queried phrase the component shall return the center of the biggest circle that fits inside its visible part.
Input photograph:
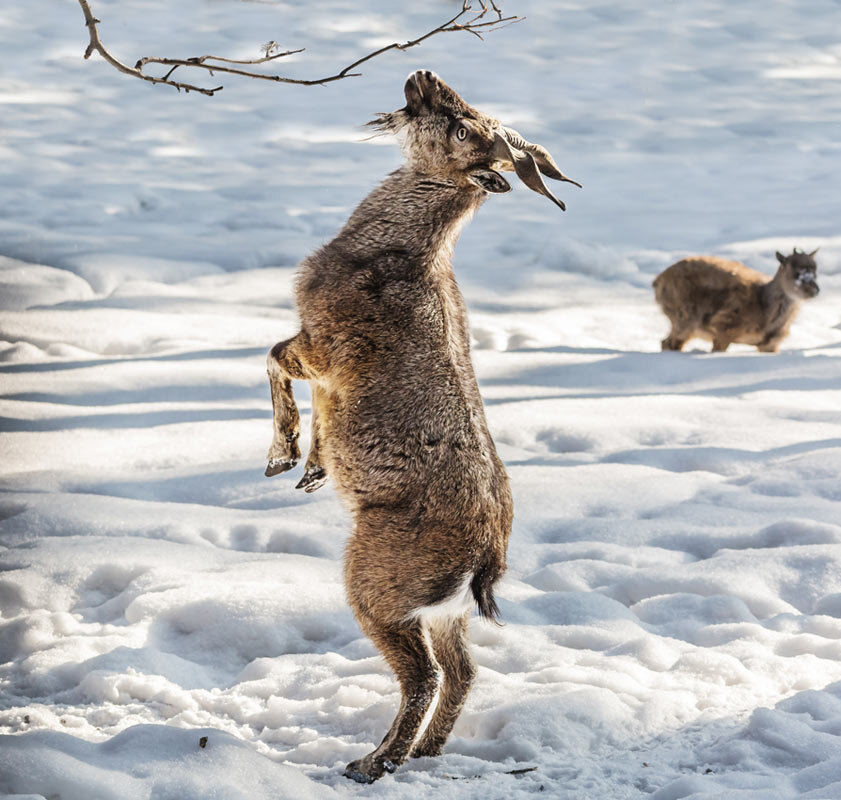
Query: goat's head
(799, 272)
(445, 137)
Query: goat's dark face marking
(447, 139)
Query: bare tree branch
(463, 21)
(96, 45)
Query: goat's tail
(482, 587)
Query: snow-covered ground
(673, 604)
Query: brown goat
(725, 301)
(398, 422)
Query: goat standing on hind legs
(398, 422)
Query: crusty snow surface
(673, 604)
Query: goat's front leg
(285, 361)
(315, 474)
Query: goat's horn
(525, 166)
(545, 163)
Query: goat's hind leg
(450, 645)
(408, 651)
(285, 361)
(770, 346)
(679, 335)
(683, 324)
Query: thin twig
(493, 5)
(474, 25)
(256, 60)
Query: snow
(673, 604)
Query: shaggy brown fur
(727, 302)
(398, 422)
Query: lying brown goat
(398, 422)
(725, 301)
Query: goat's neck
(414, 213)
(777, 303)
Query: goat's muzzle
(420, 88)
(528, 161)
(414, 92)
(807, 285)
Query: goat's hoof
(278, 465)
(314, 478)
(369, 769)
(426, 751)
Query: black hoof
(367, 770)
(359, 777)
(314, 478)
(276, 466)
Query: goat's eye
(461, 133)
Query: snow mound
(146, 761)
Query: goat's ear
(489, 180)
(780, 257)
(812, 254)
